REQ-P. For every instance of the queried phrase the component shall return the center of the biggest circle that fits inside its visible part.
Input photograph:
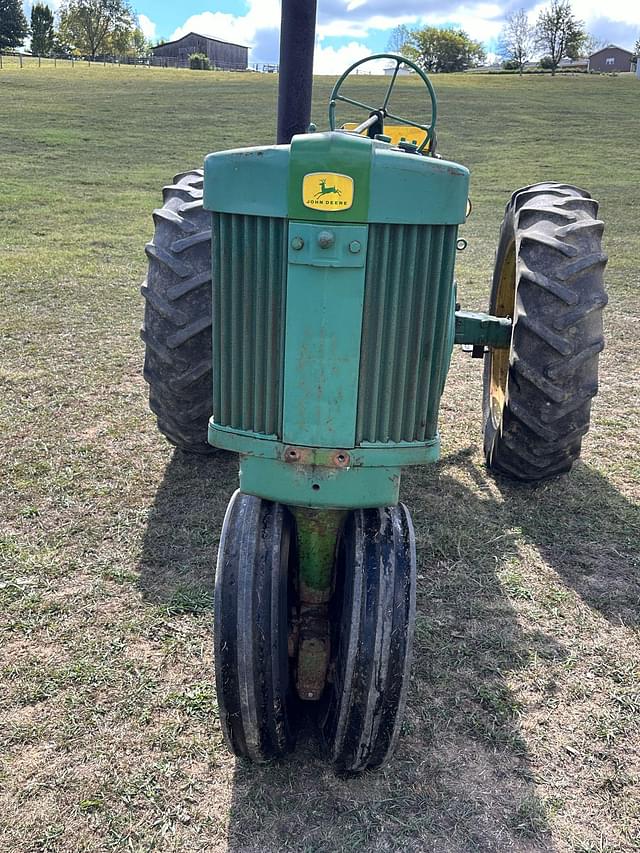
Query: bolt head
(355, 246)
(297, 243)
(326, 239)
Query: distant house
(222, 54)
(611, 58)
(402, 72)
(574, 64)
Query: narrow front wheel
(372, 619)
(251, 609)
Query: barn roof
(609, 47)
(200, 36)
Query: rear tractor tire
(177, 316)
(548, 278)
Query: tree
(96, 26)
(636, 47)
(591, 44)
(60, 46)
(13, 24)
(138, 44)
(517, 40)
(445, 50)
(125, 42)
(558, 33)
(398, 40)
(41, 29)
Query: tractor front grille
(249, 281)
(405, 327)
(407, 315)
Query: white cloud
(335, 60)
(241, 29)
(479, 21)
(216, 25)
(620, 11)
(352, 28)
(147, 26)
(343, 29)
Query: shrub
(199, 62)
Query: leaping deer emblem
(325, 190)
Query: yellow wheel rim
(504, 307)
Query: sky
(348, 30)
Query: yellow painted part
(327, 189)
(397, 132)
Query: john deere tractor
(301, 311)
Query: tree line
(84, 28)
(437, 50)
(556, 35)
(110, 27)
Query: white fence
(23, 60)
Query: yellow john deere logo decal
(327, 191)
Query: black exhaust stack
(297, 41)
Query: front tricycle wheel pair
(372, 614)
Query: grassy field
(522, 729)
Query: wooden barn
(611, 58)
(222, 54)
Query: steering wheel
(377, 115)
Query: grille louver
(404, 333)
(249, 279)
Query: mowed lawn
(522, 729)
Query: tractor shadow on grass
(177, 563)
(462, 779)
(588, 533)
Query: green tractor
(322, 268)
